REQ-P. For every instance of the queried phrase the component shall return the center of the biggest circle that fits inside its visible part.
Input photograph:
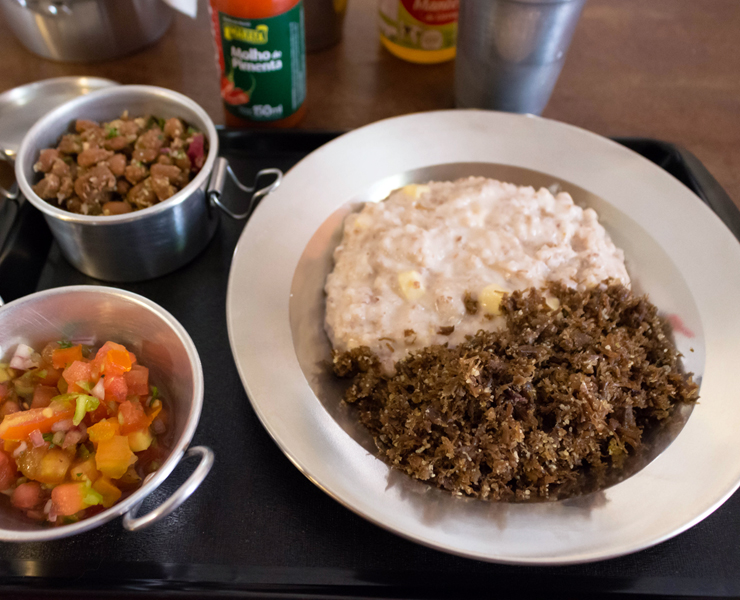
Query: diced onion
(22, 359)
(36, 438)
(20, 449)
(99, 390)
(73, 436)
(52, 512)
(64, 425)
(196, 151)
(47, 506)
(158, 427)
(58, 438)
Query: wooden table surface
(668, 69)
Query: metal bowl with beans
(119, 166)
(145, 242)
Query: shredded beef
(558, 398)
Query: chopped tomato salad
(80, 429)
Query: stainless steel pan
(146, 243)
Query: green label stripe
(265, 65)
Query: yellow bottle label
(419, 30)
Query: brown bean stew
(549, 407)
(117, 167)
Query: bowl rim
(178, 449)
(74, 105)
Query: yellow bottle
(420, 31)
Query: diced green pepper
(90, 496)
(83, 452)
(84, 405)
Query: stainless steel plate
(677, 250)
(21, 107)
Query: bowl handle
(134, 523)
(221, 169)
(12, 193)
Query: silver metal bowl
(145, 243)
(86, 30)
(159, 342)
(138, 245)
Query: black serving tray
(257, 527)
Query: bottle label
(264, 65)
(420, 24)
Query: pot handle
(12, 193)
(221, 169)
(134, 523)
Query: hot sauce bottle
(261, 47)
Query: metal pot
(146, 243)
(86, 30)
(159, 342)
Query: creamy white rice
(406, 265)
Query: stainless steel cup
(161, 343)
(324, 19)
(510, 52)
